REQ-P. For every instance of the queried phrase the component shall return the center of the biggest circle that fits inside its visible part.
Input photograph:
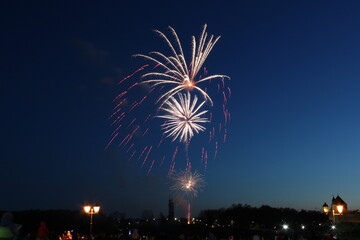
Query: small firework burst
(188, 182)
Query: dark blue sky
(293, 140)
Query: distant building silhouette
(346, 216)
(338, 201)
(171, 209)
(338, 211)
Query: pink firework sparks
(151, 166)
(216, 150)
(162, 161)
(147, 155)
(112, 139)
(131, 75)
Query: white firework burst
(176, 70)
(183, 117)
(188, 182)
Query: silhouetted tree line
(245, 216)
(223, 222)
(59, 221)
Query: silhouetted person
(43, 232)
(8, 229)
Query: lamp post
(89, 209)
(336, 210)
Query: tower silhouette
(171, 209)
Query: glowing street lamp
(89, 209)
(338, 207)
(326, 208)
(337, 211)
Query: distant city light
(285, 226)
(333, 227)
(302, 227)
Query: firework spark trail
(147, 129)
(134, 105)
(116, 112)
(202, 154)
(124, 139)
(188, 166)
(225, 135)
(171, 169)
(132, 155)
(172, 164)
(151, 166)
(131, 135)
(216, 150)
(162, 161)
(225, 115)
(131, 146)
(131, 123)
(148, 117)
(142, 153)
(213, 133)
(119, 104)
(142, 99)
(160, 142)
(147, 155)
(206, 71)
(131, 75)
(120, 95)
(118, 119)
(229, 115)
(174, 154)
(225, 99)
(112, 139)
(116, 130)
(206, 159)
(125, 92)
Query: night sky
(294, 136)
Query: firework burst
(188, 182)
(140, 109)
(176, 70)
(183, 117)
